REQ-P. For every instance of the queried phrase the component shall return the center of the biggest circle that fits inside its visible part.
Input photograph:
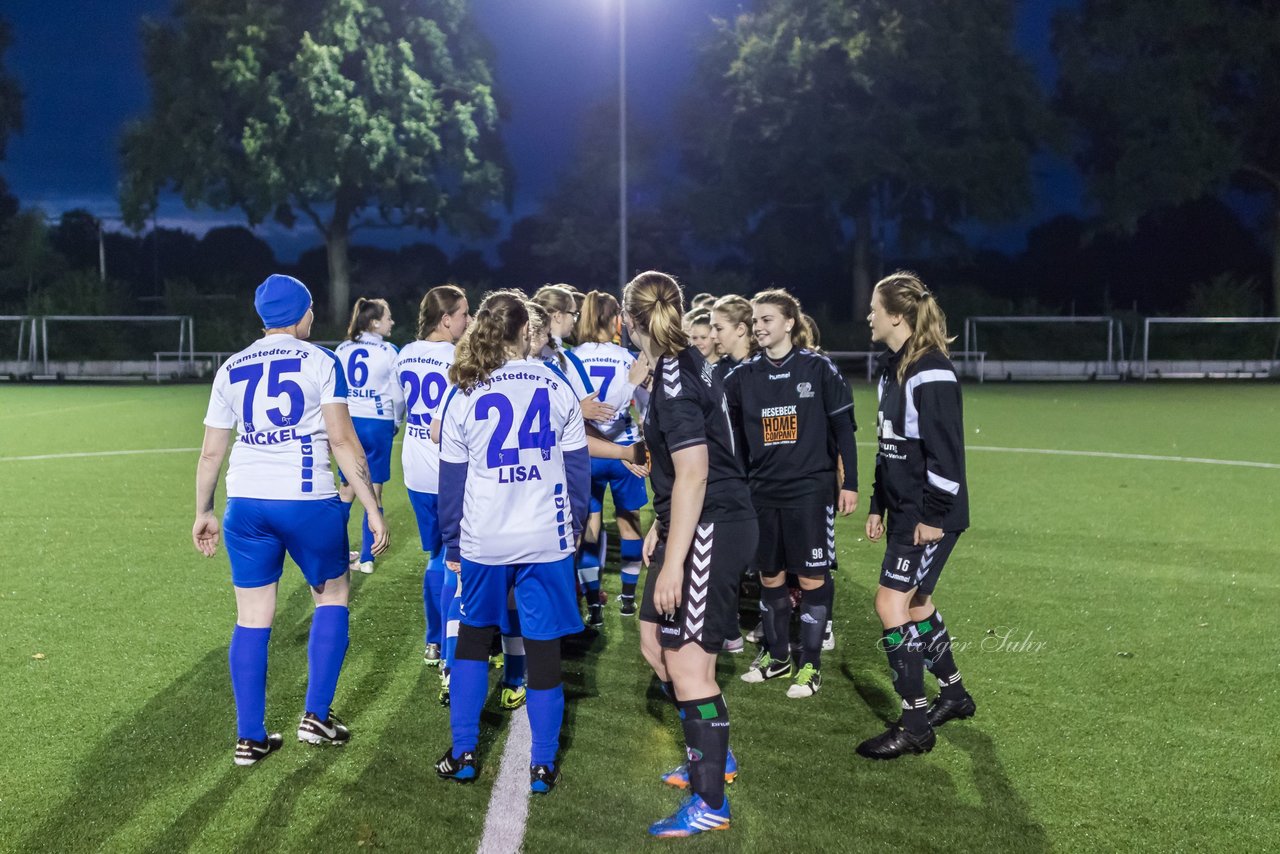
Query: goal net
(115, 346)
(1209, 347)
(17, 345)
(1026, 347)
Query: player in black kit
(698, 548)
(793, 413)
(920, 485)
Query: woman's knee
(336, 591)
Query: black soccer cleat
(595, 615)
(463, 770)
(249, 751)
(543, 778)
(895, 741)
(627, 606)
(315, 731)
(943, 710)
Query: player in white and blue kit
(610, 368)
(374, 397)
(422, 369)
(514, 481)
(286, 401)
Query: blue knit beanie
(281, 301)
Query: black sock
(775, 613)
(815, 606)
(629, 589)
(937, 656)
(669, 691)
(906, 661)
(706, 737)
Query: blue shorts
(259, 531)
(546, 600)
(424, 507)
(628, 490)
(376, 436)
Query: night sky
(80, 65)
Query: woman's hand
(667, 589)
(593, 409)
(650, 543)
(875, 527)
(847, 502)
(641, 368)
(453, 566)
(926, 534)
(204, 533)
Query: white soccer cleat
(366, 567)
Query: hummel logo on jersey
(785, 376)
(805, 389)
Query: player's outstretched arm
(346, 447)
(213, 451)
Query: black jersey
(783, 411)
(724, 366)
(920, 463)
(687, 408)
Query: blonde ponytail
(656, 306)
(363, 314)
(903, 293)
(598, 320)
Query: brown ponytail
(790, 307)
(598, 320)
(812, 333)
(904, 294)
(498, 325)
(656, 306)
(436, 303)
(540, 321)
(363, 314)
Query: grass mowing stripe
(99, 454)
(1109, 455)
(509, 803)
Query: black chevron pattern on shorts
(831, 533)
(695, 608)
(926, 561)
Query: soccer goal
(1210, 347)
(17, 345)
(116, 346)
(1044, 348)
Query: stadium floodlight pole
(622, 146)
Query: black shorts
(800, 540)
(907, 567)
(708, 612)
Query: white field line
(1112, 455)
(509, 803)
(100, 454)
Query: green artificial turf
(1112, 618)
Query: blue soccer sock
(451, 607)
(512, 661)
(346, 512)
(546, 714)
(589, 571)
(248, 660)
(468, 685)
(432, 585)
(631, 551)
(366, 538)
(325, 652)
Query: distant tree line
(822, 143)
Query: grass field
(1113, 617)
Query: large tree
(342, 112)
(827, 116)
(10, 118)
(1175, 100)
